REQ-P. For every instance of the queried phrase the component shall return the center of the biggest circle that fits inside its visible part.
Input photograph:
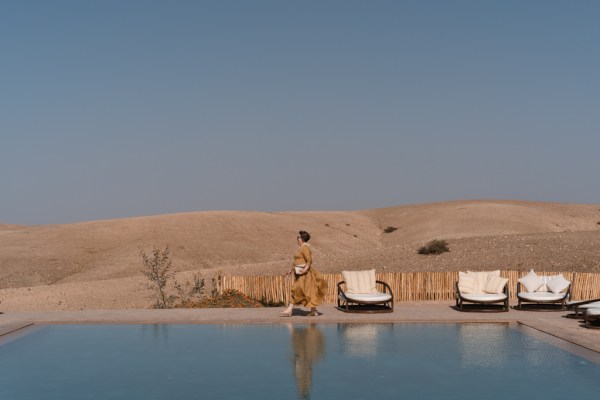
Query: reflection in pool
(349, 361)
(308, 345)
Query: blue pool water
(346, 361)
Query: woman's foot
(314, 313)
(287, 312)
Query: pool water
(346, 361)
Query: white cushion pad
(476, 282)
(532, 281)
(588, 305)
(467, 283)
(541, 296)
(481, 277)
(593, 312)
(557, 284)
(495, 284)
(595, 304)
(368, 297)
(360, 281)
(483, 296)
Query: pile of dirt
(228, 299)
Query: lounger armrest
(386, 287)
(339, 288)
(456, 291)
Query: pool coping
(552, 323)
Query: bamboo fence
(406, 286)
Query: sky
(113, 109)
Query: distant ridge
(262, 242)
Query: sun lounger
(361, 292)
(591, 316)
(485, 290)
(543, 292)
(580, 306)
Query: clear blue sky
(112, 109)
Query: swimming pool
(346, 361)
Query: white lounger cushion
(557, 284)
(541, 296)
(495, 284)
(481, 282)
(532, 281)
(467, 283)
(593, 312)
(475, 297)
(360, 281)
(595, 304)
(368, 297)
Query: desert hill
(103, 256)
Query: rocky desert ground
(97, 265)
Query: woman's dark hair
(304, 236)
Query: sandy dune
(97, 264)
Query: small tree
(157, 269)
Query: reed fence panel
(406, 286)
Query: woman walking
(309, 286)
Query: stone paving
(553, 323)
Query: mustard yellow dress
(309, 289)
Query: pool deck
(550, 322)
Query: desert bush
(190, 291)
(434, 247)
(390, 229)
(158, 269)
(271, 303)
(217, 284)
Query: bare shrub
(190, 291)
(217, 284)
(434, 247)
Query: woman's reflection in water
(308, 346)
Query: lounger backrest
(360, 281)
(545, 283)
(481, 282)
